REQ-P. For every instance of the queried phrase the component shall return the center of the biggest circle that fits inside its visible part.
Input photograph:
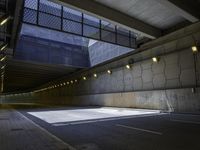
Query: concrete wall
(43, 45)
(173, 100)
(175, 69)
(51, 52)
(101, 51)
(166, 85)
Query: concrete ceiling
(150, 18)
(20, 75)
(149, 11)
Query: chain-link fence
(54, 16)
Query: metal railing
(54, 16)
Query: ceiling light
(3, 67)
(76, 80)
(4, 19)
(84, 78)
(128, 66)
(3, 58)
(109, 71)
(194, 49)
(155, 59)
(3, 47)
(67, 82)
(64, 83)
(95, 75)
(72, 81)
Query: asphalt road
(157, 131)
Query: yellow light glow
(76, 80)
(194, 49)
(3, 47)
(3, 67)
(155, 59)
(128, 66)
(84, 78)
(72, 81)
(3, 58)
(64, 83)
(68, 83)
(95, 75)
(109, 71)
(4, 21)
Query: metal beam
(178, 10)
(113, 16)
(16, 22)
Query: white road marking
(139, 129)
(185, 121)
(102, 120)
(44, 130)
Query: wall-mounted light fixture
(95, 75)
(194, 49)
(109, 71)
(155, 59)
(128, 66)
